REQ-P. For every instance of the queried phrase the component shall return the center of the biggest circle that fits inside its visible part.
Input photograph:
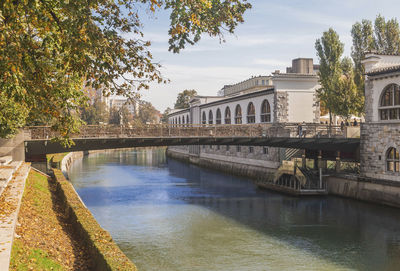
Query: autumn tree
(164, 117)
(51, 49)
(338, 92)
(381, 36)
(329, 51)
(183, 99)
(120, 116)
(363, 41)
(349, 101)
(95, 113)
(147, 112)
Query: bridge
(317, 140)
(313, 141)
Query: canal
(169, 215)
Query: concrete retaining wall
(355, 187)
(246, 170)
(377, 191)
(14, 146)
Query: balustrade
(308, 130)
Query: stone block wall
(281, 110)
(317, 111)
(250, 155)
(369, 100)
(376, 139)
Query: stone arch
(238, 114)
(210, 117)
(218, 116)
(389, 103)
(204, 118)
(228, 117)
(392, 160)
(265, 111)
(251, 113)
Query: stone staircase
(13, 175)
(7, 169)
(292, 153)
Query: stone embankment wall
(366, 189)
(224, 164)
(105, 253)
(350, 186)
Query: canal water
(169, 215)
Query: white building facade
(278, 98)
(380, 134)
(130, 104)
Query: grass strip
(45, 239)
(105, 253)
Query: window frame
(389, 103)
(251, 116)
(265, 117)
(238, 114)
(392, 160)
(229, 118)
(218, 116)
(210, 117)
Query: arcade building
(277, 98)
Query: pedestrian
(347, 123)
(342, 125)
(300, 130)
(355, 122)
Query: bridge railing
(196, 130)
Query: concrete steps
(4, 160)
(8, 221)
(7, 169)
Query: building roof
(267, 90)
(384, 70)
(381, 54)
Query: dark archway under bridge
(328, 148)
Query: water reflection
(173, 216)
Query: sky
(274, 33)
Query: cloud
(270, 62)
(306, 14)
(206, 80)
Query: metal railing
(308, 130)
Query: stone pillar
(320, 161)
(303, 159)
(337, 165)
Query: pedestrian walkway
(13, 176)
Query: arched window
(265, 111)
(238, 115)
(218, 117)
(389, 107)
(251, 113)
(187, 119)
(179, 120)
(183, 119)
(392, 160)
(210, 117)
(204, 118)
(227, 115)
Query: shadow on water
(360, 235)
(353, 234)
